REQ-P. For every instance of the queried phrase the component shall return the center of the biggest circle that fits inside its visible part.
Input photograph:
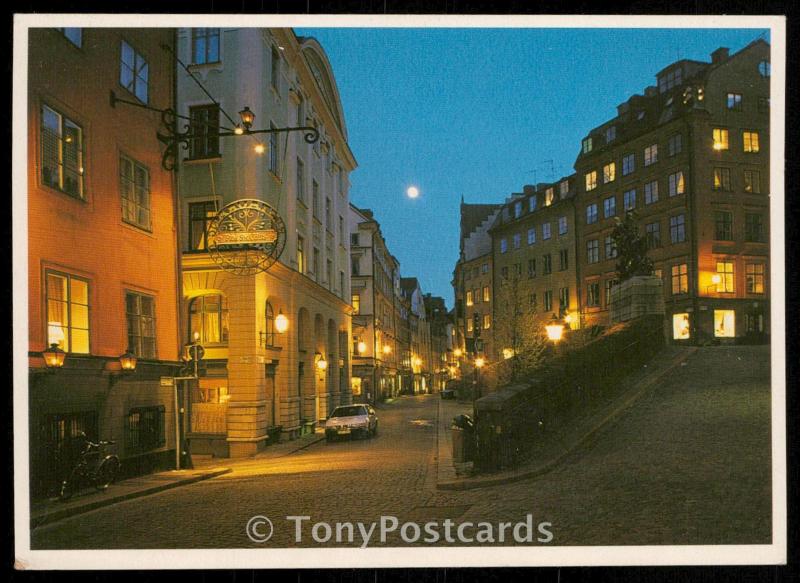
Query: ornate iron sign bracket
(175, 139)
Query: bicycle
(92, 468)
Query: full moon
(412, 192)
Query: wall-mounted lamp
(54, 356)
(322, 364)
(281, 323)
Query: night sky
(479, 113)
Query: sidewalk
(51, 510)
(555, 447)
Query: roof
(409, 284)
(472, 215)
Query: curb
(63, 513)
(302, 447)
(471, 484)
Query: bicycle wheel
(68, 486)
(106, 473)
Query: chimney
(720, 55)
(528, 189)
(651, 91)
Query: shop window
(724, 324)
(145, 429)
(680, 326)
(208, 317)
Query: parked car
(357, 420)
(450, 390)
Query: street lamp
(128, 361)
(480, 362)
(281, 323)
(387, 349)
(247, 118)
(554, 329)
(457, 353)
(362, 347)
(508, 353)
(54, 356)
(322, 364)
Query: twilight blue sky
(480, 113)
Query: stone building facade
(690, 158)
(103, 275)
(258, 380)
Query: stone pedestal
(635, 297)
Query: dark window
(133, 72)
(611, 248)
(752, 181)
(62, 153)
(146, 428)
(354, 239)
(609, 207)
(592, 251)
(275, 68)
(548, 300)
(677, 230)
(273, 151)
(301, 181)
(674, 145)
(591, 214)
(134, 186)
(208, 317)
(140, 313)
(205, 45)
(754, 227)
(651, 192)
(531, 268)
(563, 300)
(723, 225)
(609, 283)
(564, 259)
(629, 199)
(763, 105)
(269, 325)
(547, 264)
(204, 123)
(722, 179)
(653, 235)
(628, 164)
(593, 294)
(200, 216)
(734, 101)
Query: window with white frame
(140, 313)
(205, 45)
(651, 192)
(591, 213)
(133, 72)
(628, 164)
(651, 154)
(609, 172)
(676, 183)
(62, 153)
(134, 187)
(67, 299)
(609, 207)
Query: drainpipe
(692, 212)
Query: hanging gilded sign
(247, 236)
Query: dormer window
(611, 134)
(587, 145)
(669, 80)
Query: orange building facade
(103, 267)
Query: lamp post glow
(555, 329)
(457, 353)
(508, 353)
(281, 323)
(128, 361)
(322, 364)
(480, 362)
(362, 347)
(387, 349)
(54, 356)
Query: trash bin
(463, 435)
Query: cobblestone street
(688, 464)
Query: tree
(518, 332)
(632, 259)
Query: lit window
(134, 186)
(722, 179)
(591, 180)
(680, 279)
(591, 213)
(208, 316)
(677, 228)
(486, 296)
(680, 326)
(628, 164)
(301, 256)
(141, 315)
(750, 142)
(548, 196)
(469, 325)
(734, 101)
(724, 324)
(469, 298)
(629, 199)
(720, 137)
(531, 235)
(487, 321)
(593, 251)
(62, 153)
(67, 299)
(609, 207)
(545, 231)
(651, 155)
(725, 272)
(676, 183)
(609, 172)
(205, 45)
(586, 145)
(754, 277)
(133, 72)
(651, 192)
